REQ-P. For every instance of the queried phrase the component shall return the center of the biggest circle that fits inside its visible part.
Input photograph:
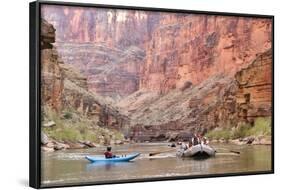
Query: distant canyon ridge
(165, 74)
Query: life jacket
(195, 141)
(108, 154)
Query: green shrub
(67, 115)
(241, 131)
(262, 126)
(118, 135)
(72, 126)
(219, 134)
(91, 136)
(69, 134)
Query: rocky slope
(65, 95)
(216, 102)
(109, 71)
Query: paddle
(226, 154)
(233, 151)
(154, 153)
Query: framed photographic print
(131, 94)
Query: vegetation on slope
(261, 127)
(72, 126)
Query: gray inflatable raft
(199, 150)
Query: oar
(233, 151)
(154, 153)
(226, 154)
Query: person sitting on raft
(196, 140)
(205, 141)
(186, 146)
(108, 153)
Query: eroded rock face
(110, 71)
(47, 35)
(216, 102)
(94, 41)
(112, 27)
(63, 87)
(177, 112)
(255, 88)
(108, 46)
(177, 74)
(191, 48)
(169, 50)
(249, 96)
(51, 75)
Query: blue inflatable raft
(124, 158)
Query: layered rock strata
(217, 102)
(192, 48)
(174, 74)
(63, 87)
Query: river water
(70, 166)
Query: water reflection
(106, 165)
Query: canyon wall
(64, 88)
(171, 74)
(154, 50)
(112, 27)
(51, 75)
(191, 48)
(255, 88)
(110, 71)
(220, 101)
(108, 46)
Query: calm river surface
(70, 166)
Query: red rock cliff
(106, 45)
(255, 88)
(113, 27)
(216, 102)
(52, 76)
(110, 71)
(175, 72)
(64, 88)
(179, 48)
(191, 48)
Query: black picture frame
(35, 101)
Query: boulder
(265, 141)
(61, 146)
(44, 138)
(76, 145)
(89, 144)
(262, 140)
(237, 141)
(47, 149)
(250, 140)
(118, 142)
(49, 124)
(50, 144)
